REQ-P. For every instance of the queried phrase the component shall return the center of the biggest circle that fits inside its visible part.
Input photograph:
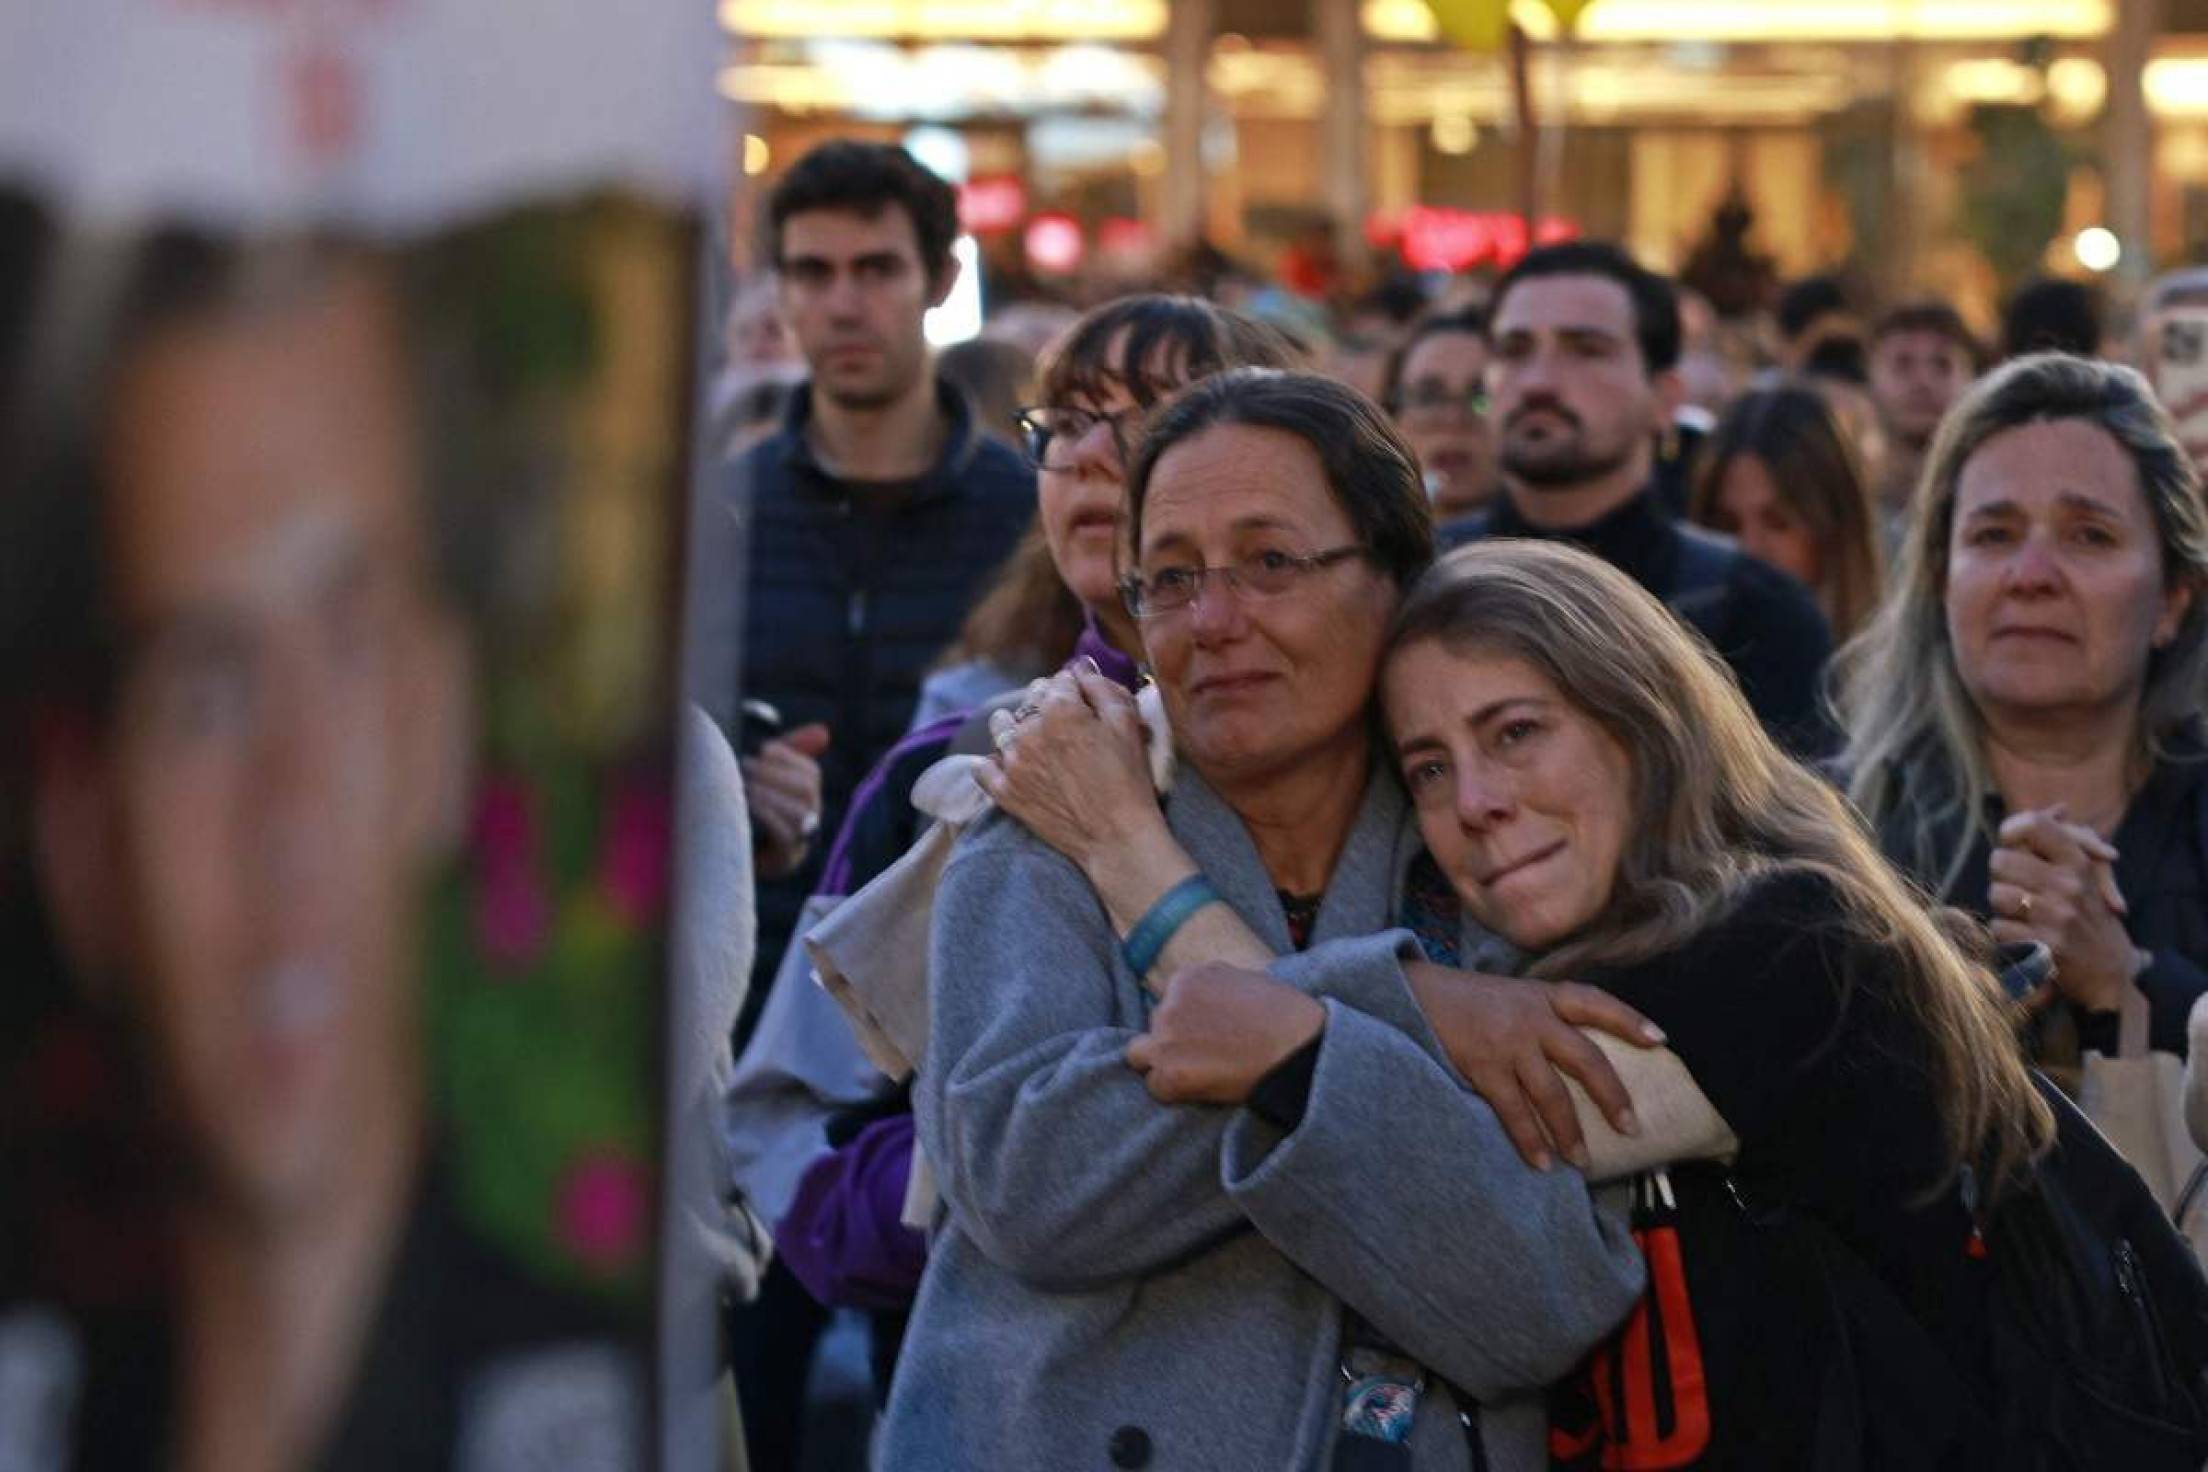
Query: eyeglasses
(1266, 575)
(1433, 401)
(1044, 426)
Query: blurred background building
(1957, 146)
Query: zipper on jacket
(2131, 1281)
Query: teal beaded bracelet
(1148, 939)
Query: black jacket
(2161, 869)
(1763, 622)
(1833, 1246)
(850, 593)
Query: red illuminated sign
(1054, 244)
(992, 205)
(1438, 238)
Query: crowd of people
(1486, 810)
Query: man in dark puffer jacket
(875, 516)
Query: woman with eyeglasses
(1250, 1277)
(1434, 390)
(1057, 596)
(836, 1212)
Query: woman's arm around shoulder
(1048, 1149)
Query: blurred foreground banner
(386, 115)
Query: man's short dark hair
(2052, 316)
(867, 178)
(1928, 315)
(1804, 301)
(1655, 301)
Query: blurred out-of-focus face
(757, 337)
(1255, 685)
(1570, 394)
(1915, 375)
(854, 293)
(1440, 405)
(2055, 592)
(1523, 799)
(1749, 508)
(272, 758)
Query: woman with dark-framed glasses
(1253, 1278)
(1435, 388)
(835, 1209)
(1057, 595)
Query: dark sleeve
(1778, 643)
(844, 1235)
(1284, 1093)
(1769, 1006)
(2172, 984)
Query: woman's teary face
(1254, 685)
(1523, 799)
(2055, 590)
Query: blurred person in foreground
(1581, 384)
(1922, 357)
(1436, 387)
(875, 515)
(2025, 714)
(250, 755)
(1780, 478)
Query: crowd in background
(1952, 584)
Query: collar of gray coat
(1361, 896)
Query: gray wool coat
(1122, 1283)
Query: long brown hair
(1718, 806)
(1153, 344)
(1816, 472)
(1911, 726)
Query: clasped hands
(2054, 882)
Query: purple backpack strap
(835, 875)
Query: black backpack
(2096, 1351)
(2099, 1327)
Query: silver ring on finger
(808, 825)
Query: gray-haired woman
(1242, 1282)
(2025, 716)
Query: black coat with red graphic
(1821, 1269)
